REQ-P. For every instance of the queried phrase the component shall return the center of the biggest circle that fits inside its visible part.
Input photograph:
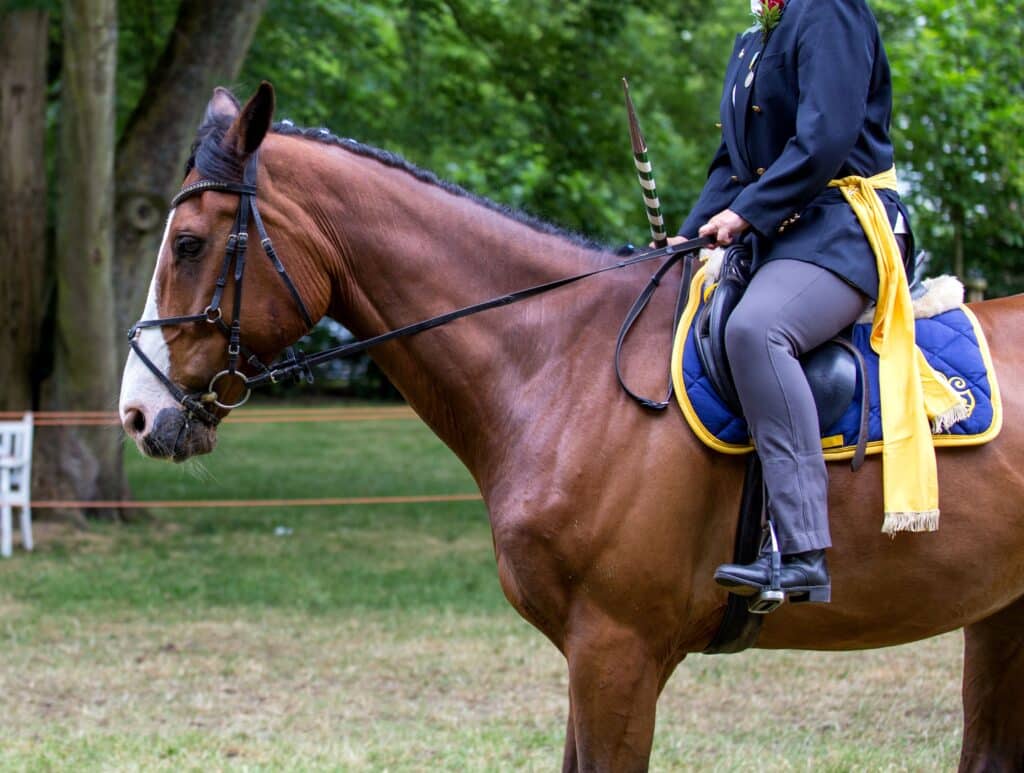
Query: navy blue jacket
(812, 104)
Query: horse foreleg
(993, 692)
(614, 681)
(570, 760)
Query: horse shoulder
(622, 527)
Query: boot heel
(819, 595)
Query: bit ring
(229, 373)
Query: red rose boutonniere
(768, 14)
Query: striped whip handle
(645, 174)
(651, 200)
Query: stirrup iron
(770, 598)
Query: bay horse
(608, 520)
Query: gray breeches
(789, 308)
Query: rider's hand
(673, 240)
(724, 227)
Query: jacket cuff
(764, 220)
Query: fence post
(976, 287)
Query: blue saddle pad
(952, 342)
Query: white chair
(15, 480)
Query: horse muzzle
(174, 434)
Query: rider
(807, 99)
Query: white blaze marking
(140, 389)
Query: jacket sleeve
(719, 191)
(835, 56)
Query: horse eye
(187, 247)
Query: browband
(211, 185)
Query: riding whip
(645, 174)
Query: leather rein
(296, 364)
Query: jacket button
(760, 171)
(756, 108)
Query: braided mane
(216, 161)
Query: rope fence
(250, 416)
(54, 504)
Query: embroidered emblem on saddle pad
(952, 342)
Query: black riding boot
(804, 576)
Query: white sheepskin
(712, 264)
(941, 294)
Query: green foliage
(142, 30)
(959, 123)
(514, 101)
(521, 101)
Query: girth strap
(865, 401)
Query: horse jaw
(149, 413)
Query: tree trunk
(85, 375)
(23, 43)
(206, 48)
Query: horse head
(198, 342)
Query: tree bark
(85, 368)
(206, 48)
(23, 44)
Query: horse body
(608, 520)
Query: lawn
(376, 638)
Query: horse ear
(253, 122)
(222, 103)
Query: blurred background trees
(516, 100)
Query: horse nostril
(134, 422)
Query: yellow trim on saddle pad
(679, 385)
(832, 447)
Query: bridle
(296, 364)
(234, 254)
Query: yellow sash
(911, 392)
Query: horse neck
(403, 250)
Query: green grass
(376, 638)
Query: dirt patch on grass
(52, 535)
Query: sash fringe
(908, 521)
(944, 421)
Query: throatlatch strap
(268, 248)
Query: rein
(298, 365)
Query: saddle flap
(831, 372)
(710, 339)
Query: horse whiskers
(197, 470)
